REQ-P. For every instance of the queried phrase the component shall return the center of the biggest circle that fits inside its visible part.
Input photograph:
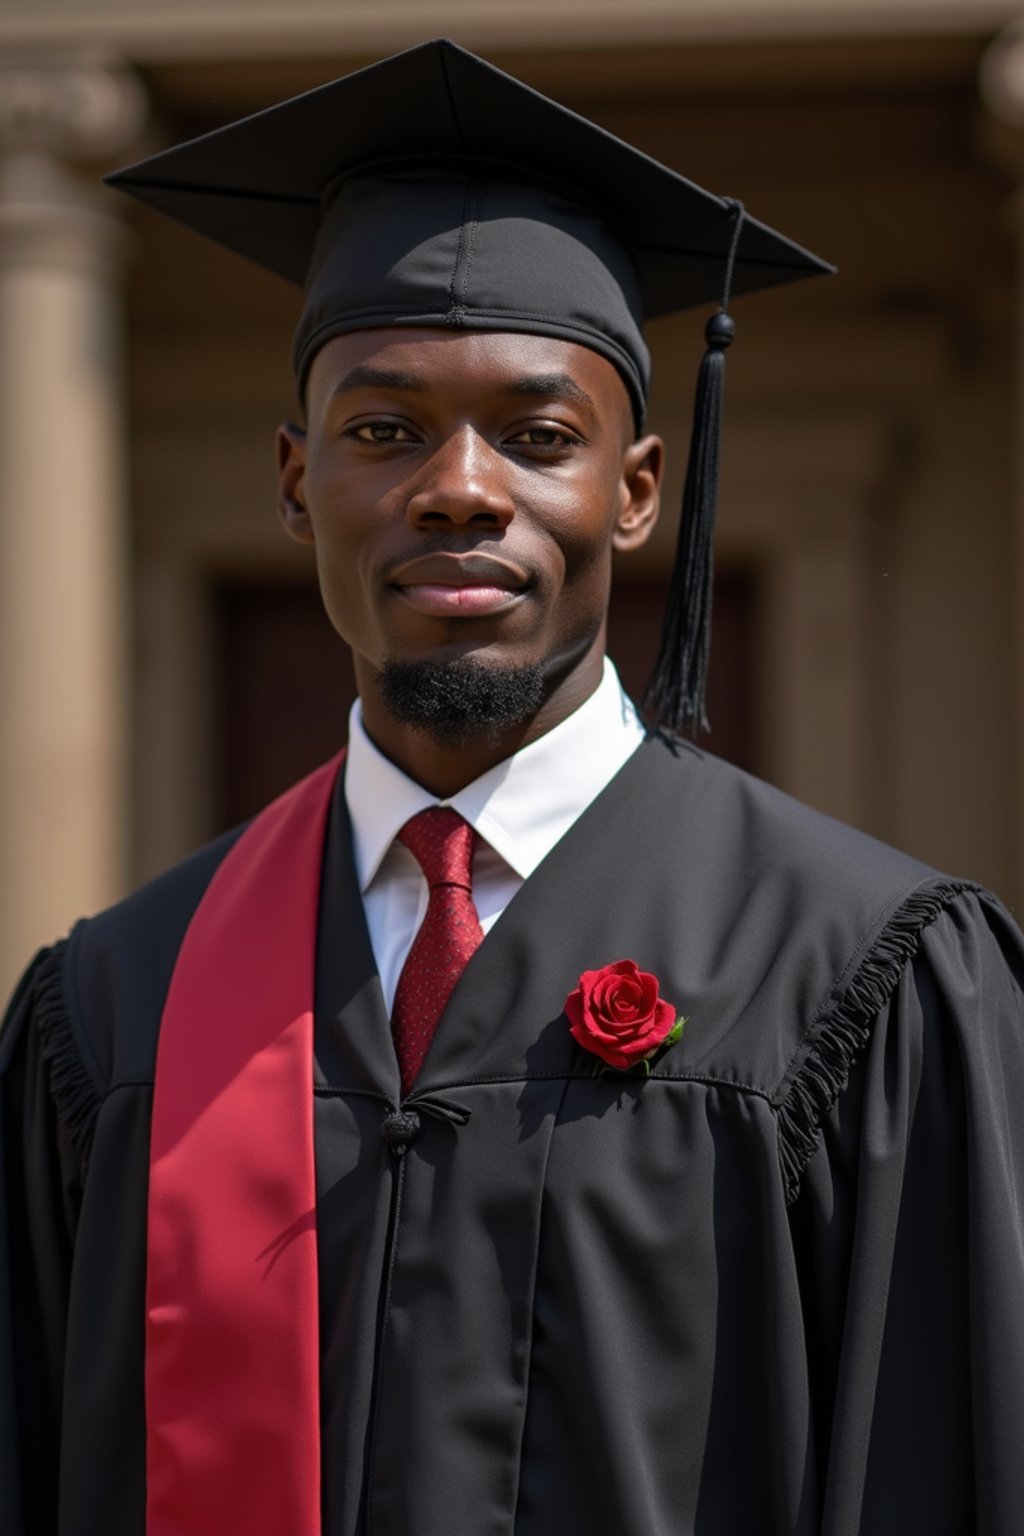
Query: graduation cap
(434, 189)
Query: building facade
(164, 665)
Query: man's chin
(461, 700)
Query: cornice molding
(165, 31)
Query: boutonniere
(618, 1015)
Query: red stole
(232, 1342)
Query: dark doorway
(634, 629)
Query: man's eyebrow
(550, 386)
(365, 377)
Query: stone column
(63, 504)
(1002, 140)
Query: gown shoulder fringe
(842, 1027)
(75, 1094)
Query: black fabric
(433, 189)
(605, 1304)
(471, 251)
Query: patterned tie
(442, 844)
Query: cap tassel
(675, 696)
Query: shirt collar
(522, 806)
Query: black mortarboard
(433, 189)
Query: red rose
(616, 1013)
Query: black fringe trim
(74, 1092)
(847, 1027)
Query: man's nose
(464, 482)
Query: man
(529, 1124)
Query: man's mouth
(431, 597)
(457, 586)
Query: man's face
(464, 492)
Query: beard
(455, 702)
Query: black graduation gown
(775, 1287)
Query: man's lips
(428, 597)
(459, 585)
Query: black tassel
(675, 696)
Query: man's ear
(643, 464)
(291, 483)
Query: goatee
(455, 702)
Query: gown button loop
(398, 1129)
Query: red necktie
(442, 844)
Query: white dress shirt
(521, 808)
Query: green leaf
(675, 1033)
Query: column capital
(1001, 76)
(999, 133)
(58, 112)
(84, 108)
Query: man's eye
(544, 437)
(380, 432)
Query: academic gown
(774, 1286)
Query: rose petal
(601, 990)
(625, 996)
(666, 1018)
(648, 985)
(599, 1048)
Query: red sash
(232, 1345)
